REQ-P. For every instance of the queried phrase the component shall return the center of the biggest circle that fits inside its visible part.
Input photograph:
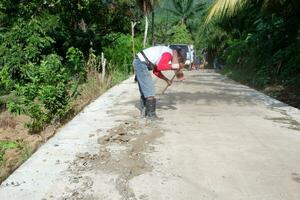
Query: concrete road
(219, 140)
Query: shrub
(75, 62)
(120, 52)
(22, 47)
(46, 95)
(180, 35)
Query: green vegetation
(119, 53)
(177, 21)
(44, 50)
(258, 41)
(5, 145)
(185, 11)
(180, 35)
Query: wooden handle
(163, 92)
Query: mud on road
(121, 152)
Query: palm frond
(175, 12)
(199, 7)
(270, 3)
(223, 8)
(188, 5)
(177, 5)
(189, 15)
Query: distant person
(197, 63)
(217, 64)
(155, 59)
(202, 66)
(205, 56)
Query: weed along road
(219, 140)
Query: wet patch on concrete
(296, 177)
(286, 120)
(122, 153)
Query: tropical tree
(43, 49)
(180, 35)
(155, 3)
(185, 10)
(228, 8)
(147, 6)
(259, 41)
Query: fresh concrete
(221, 141)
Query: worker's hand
(181, 65)
(179, 75)
(169, 82)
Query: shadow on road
(171, 100)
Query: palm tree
(147, 6)
(186, 9)
(223, 8)
(154, 4)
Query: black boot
(150, 109)
(143, 105)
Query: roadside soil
(289, 96)
(12, 129)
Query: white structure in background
(188, 52)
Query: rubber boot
(143, 105)
(151, 109)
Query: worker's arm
(162, 65)
(161, 76)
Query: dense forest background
(49, 48)
(258, 42)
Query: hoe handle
(163, 92)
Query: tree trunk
(153, 27)
(132, 37)
(146, 30)
(103, 63)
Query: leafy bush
(24, 45)
(75, 62)
(180, 35)
(42, 49)
(46, 95)
(120, 52)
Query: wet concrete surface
(218, 140)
